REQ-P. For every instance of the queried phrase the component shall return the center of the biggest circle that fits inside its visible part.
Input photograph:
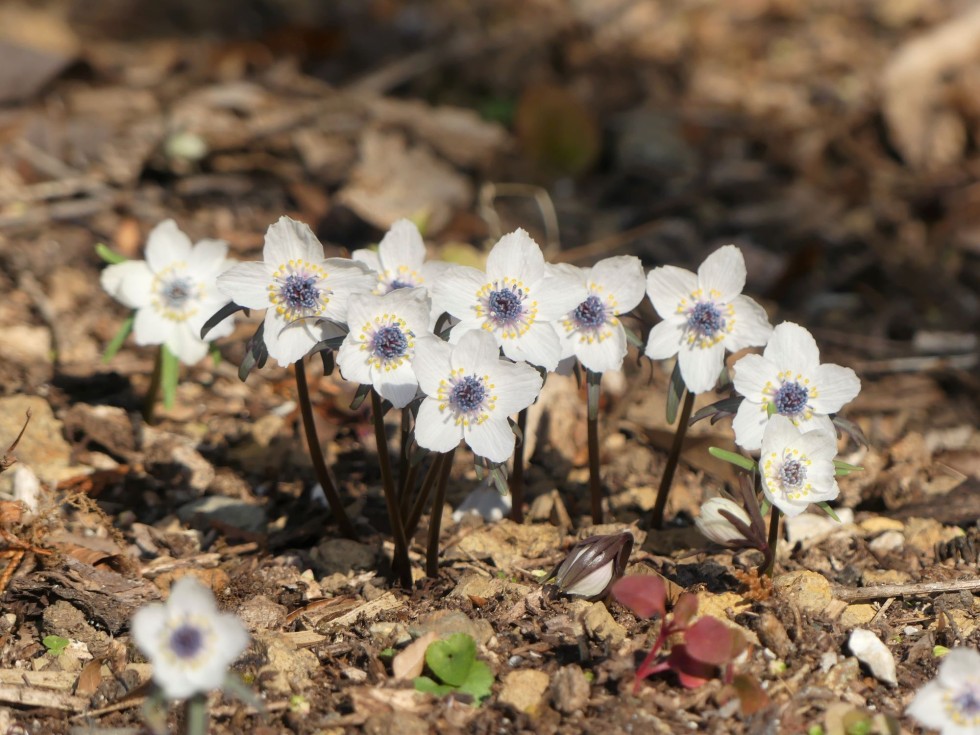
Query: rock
(601, 625)
(813, 525)
(389, 633)
(234, 512)
(842, 674)
(43, 445)
(260, 614)
(343, 556)
(888, 541)
(570, 689)
(874, 577)
(507, 543)
(879, 524)
(446, 622)
(874, 654)
(288, 670)
(773, 635)
(395, 723)
(476, 585)
(808, 590)
(855, 615)
(168, 454)
(65, 620)
(923, 534)
(965, 622)
(524, 690)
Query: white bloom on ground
(297, 285)
(189, 642)
(788, 375)
(797, 468)
(516, 300)
(380, 346)
(716, 527)
(950, 703)
(704, 315)
(592, 331)
(400, 260)
(173, 291)
(470, 393)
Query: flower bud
(593, 565)
(714, 526)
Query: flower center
(792, 474)
(792, 396)
(397, 284)
(505, 306)
(590, 314)
(469, 397)
(708, 319)
(787, 474)
(186, 641)
(593, 317)
(297, 290)
(389, 342)
(174, 293)
(791, 399)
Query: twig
(850, 594)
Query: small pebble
(869, 650)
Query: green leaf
(675, 389)
(939, 651)
(843, 469)
(634, 339)
(108, 255)
(479, 682)
(113, 347)
(828, 510)
(764, 506)
(770, 409)
(215, 354)
(169, 375)
(452, 658)
(425, 684)
(746, 463)
(55, 644)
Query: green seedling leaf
(55, 644)
(429, 686)
(479, 682)
(109, 255)
(117, 342)
(828, 510)
(939, 651)
(843, 469)
(169, 375)
(738, 460)
(452, 658)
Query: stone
(811, 526)
(288, 670)
(507, 543)
(447, 622)
(524, 690)
(232, 511)
(601, 625)
(477, 585)
(875, 577)
(717, 605)
(343, 556)
(43, 446)
(773, 635)
(810, 591)
(874, 654)
(879, 524)
(395, 723)
(570, 689)
(888, 541)
(259, 613)
(923, 534)
(858, 614)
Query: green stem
(517, 476)
(401, 563)
(196, 715)
(316, 454)
(657, 517)
(773, 538)
(435, 517)
(593, 381)
(153, 392)
(418, 507)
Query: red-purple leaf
(691, 672)
(644, 594)
(711, 641)
(750, 693)
(685, 609)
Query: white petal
(475, 352)
(819, 423)
(130, 283)
(836, 386)
(752, 328)
(147, 625)
(402, 245)
(165, 245)
(206, 310)
(247, 284)
(793, 348)
(151, 328)
(362, 309)
(723, 272)
(436, 430)
(187, 345)
(188, 596)
(411, 304)
(539, 345)
(701, 368)
(557, 295)
(398, 385)
(516, 386)
(749, 424)
(664, 339)
(288, 240)
(493, 439)
(176, 680)
(752, 374)
(352, 361)
(779, 433)
(667, 286)
(622, 276)
(464, 326)
(431, 363)
(929, 706)
(605, 356)
(958, 665)
(368, 257)
(516, 255)
(208, 257)
(287, 343)
(817, 445)
(455, 292)
(232, 637)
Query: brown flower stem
(431, 475)
(153, 392)
(593, 381)
(403, 468)
(773, 538)
(657, 516)
(517, 476)
(402, 565)
(316, 454)
(435, 516)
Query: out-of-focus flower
(189, 642)
(788, 377)
(173, 291)
(400, 260)
(470, 393)
(592, 331)
(380, 346)
(715, 526)
(297, 285)
(797, 469)
(704, 315)
(516, 300)
(593, 565)
(950, 703)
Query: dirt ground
(834, 142)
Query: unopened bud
(714, 526)
(592, 565)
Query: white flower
(516, 300)
(400, 260)
(470, 393)
(788, 374)
(592, 331)
(704, 315)
(716, 527)
(189, 643)
(950, 703)
(380, 346)
(298, 284)
(797, 469)
(173, 291)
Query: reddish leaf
(711, 641)
(685, 609)
(645, 595)
(691, 672)
(750, 693)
